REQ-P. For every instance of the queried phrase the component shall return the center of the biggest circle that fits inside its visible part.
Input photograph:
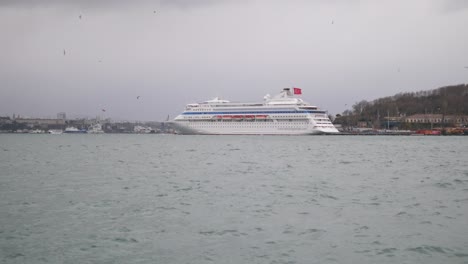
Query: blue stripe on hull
(254, 113)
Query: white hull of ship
(247, 128)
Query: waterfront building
(40, 121)
(458, 120)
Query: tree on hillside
(449, 100)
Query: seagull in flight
(64, 53)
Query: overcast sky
(174, 52)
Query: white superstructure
(283, 114)
(95, 129)
(142, 129)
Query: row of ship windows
(252, 121)
(252, 126)
(247, 123)
(285, 117)
(288, 116)
(207, 112)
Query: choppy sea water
(233, 199)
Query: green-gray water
(233, 199)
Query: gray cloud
(455, 5)
(445, 5)
(76, 4)
(192, 51)
(189, 4)
(113, 3)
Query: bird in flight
(64, 53)
(138, 97)
(80, 16)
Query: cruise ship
(283, 114)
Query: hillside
(449, 100)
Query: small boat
(74, 130)
(428, 132)
(95, 129)
(36, 131)
(142, 130)
(55, 131)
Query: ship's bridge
(191, 106)
(285, 101)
